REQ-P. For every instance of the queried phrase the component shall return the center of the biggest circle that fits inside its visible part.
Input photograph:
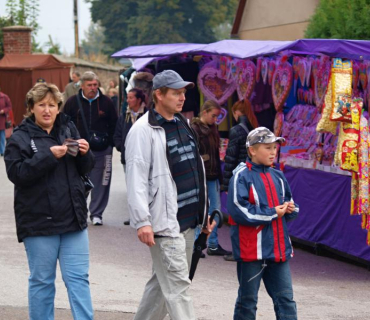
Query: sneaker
(229, 258)
(126, 222)
(203, 255)
(219, 251)
(97, 221)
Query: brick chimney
(17, 40)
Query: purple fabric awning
(157, 50)
(351, 49)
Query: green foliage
(139, 22)
(24, 13)
(54, 48)
(340, 19)
(94, 40)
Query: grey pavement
(324, 288)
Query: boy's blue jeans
(278, 283)
(72, 251)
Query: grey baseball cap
(170, 79)
(262, 135)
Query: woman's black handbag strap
(82, 114)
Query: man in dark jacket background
(100, 117)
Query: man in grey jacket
(166, 197)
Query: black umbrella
(201, 243)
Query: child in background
(260, 204)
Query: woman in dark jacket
(209, 146)
(236, 151)
(135, 109)
(49, 202)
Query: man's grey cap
(170, 79)
(262, 135)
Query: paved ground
(324, 288)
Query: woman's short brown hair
(39, 92)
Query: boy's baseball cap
(170, 79)
(262, 135)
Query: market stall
(319, 92)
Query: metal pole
(75, 20)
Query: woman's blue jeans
(72, 251)
(213, 188)
(2, 141)
(278, 283)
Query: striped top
(182, 150)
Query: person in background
(102, 90)
(209, 144)
(236, 151)
(136, 108)
(100, 118)
(260, 204)
(112, 85)
(113, 95)
(49, 203)
(5, 108)
(72, 88)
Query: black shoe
(219, 251)
(126, 222)
(229, 258)
(203, 255)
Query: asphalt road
(324, 288)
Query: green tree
(94, 40)
(139, 22)
(24, 13)
(340, 19)
(54, 48)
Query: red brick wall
(17, 40)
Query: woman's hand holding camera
(83, 146)
(59, 151)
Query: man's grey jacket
(151, 190)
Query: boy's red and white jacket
(256, 231)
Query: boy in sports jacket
(260, 204)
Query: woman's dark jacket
(123, 126)
(209, 144)
(49, 195)
(236, 151)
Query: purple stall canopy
(351, 49)
(158, 50)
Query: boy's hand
(281, 210)
(291, 207)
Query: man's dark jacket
(49, 195)
(100, 115)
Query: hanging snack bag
(325, 124)
(341, 90)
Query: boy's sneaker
(219, 251)
(97, 221)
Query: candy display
(246, 78)
(325, 125)
(213, 85)
(281, 83)
(325, 130)
(341, 91)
